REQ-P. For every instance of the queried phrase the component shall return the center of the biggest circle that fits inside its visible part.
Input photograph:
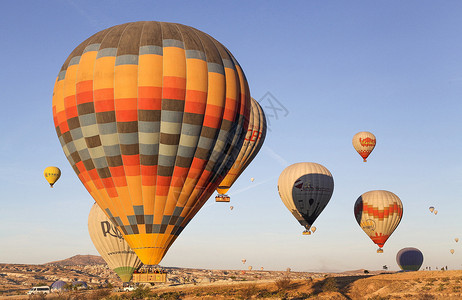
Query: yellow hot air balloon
(253, 142)
(111, 245)
(364, 143)
(252, 179)
(250, 268)
(435, 212)
(261, 269)
(151, 116)
(431, 208)
(456, 239)
(313, 229)
(52, 175)
(452, 251)
(305, 189)
(378, 213)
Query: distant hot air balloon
(452, 251)
(305, 189)
(244, 260)
(151, 116)
(261, 269)
(409, 259)
(364, 143)
(456, 239)
(313, 229)
(252, 179)
(231, 207)
(111, 245)
(431, 208)
(435, 212)
(250, 268)
(253, 142)
(52, 175)
(378, 213)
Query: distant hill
(79, 260)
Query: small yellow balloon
(52, 175)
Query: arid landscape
(17, 279)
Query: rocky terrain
(17, 279)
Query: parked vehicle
(39, 290)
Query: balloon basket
(222, 198)
(306, 232)
(380, 250)
(150, 275)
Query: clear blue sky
(339, 67)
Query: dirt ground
(424, 285)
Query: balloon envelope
(111, 245)
(253, 142)
(364, 143)
(305, 189)
(378, 213)
(151, 116)
(452, 251)
(52, 175)
(409, 259)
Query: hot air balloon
(250, 268)
(261, 269)
(253, 142)
(431, 208)
(252, 179)
(456, 239)
(452, 251)
(409, 259)
(305, 189)
(52, 175)
(364, 143)
(231, 207)
(111, 245)
(151, 116)
(435, 212)
(378, 213)
(244, 260)
(313, 229)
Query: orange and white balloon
(364, 143)
(378, 213)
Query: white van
(39, 290)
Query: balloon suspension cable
(51, 185)
(364, 160)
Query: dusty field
(412, 285)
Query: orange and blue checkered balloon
(151, 116)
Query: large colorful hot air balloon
(378, 213)
(151, 116)
(253, 142)
(111, 244)
(409, 259)
(364, 143)
(305, 189)
(52, 175)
